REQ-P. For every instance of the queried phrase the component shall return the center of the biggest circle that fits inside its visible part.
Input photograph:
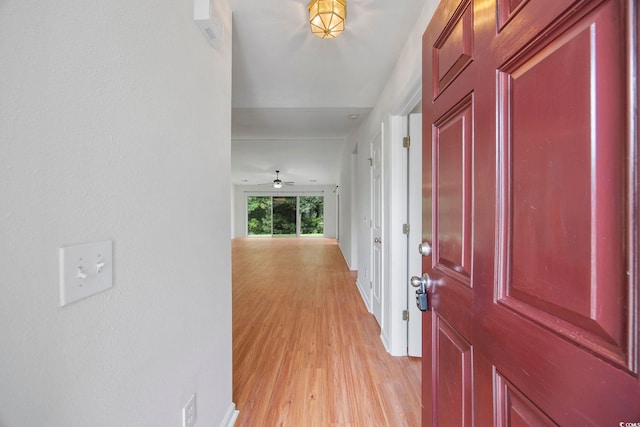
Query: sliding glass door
(285, 216)
(311, 216)
(259, 216)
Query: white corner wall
(397, 98)
(347, 213)
(115, 122)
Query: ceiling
(293, 92)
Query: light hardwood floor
(305, 350)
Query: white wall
(232, 204)
(348, 238)
(242, 191)
(115, 122)
(398, 97)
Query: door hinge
(370, 161)
(405, 229)
(405, 314)
(406, 142)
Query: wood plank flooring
(305, 350)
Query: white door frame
(397, 327)
(397, 240)
(414, 215)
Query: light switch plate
(85, 270)
(189, 414)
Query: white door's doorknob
(425, 282)
(424, 248)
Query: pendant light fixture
(327, 17)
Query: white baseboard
(230, 417)
(385, 343)
(367, 303)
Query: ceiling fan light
(326, 17)
(277, 183)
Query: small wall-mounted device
(204, 16)
(85, 270)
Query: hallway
(305, 350)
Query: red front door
(531, 206)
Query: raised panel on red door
(566, 280)
(563, 178)
(549, 259)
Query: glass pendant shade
(327, 17)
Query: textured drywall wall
(115, 121)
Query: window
(259, 216)
(285, 216)
(312, 216)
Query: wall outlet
(189, 413)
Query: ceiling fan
(278, 183)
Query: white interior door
(377, 250)
(414, 327)
(363, 225)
